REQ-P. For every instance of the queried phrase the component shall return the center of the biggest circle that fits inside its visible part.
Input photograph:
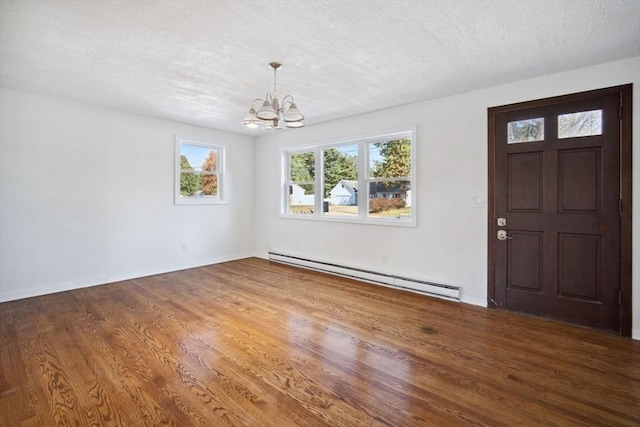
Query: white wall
(86, 197)
(449, 244)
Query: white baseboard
(468, 299)
(421, 286)
(51, 289)
(176, 267)
(635, 334)
(85, 283)
(263, 255)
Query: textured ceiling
(202, 62)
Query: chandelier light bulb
(292, 114)
(267, 112)
(295, 125)
(250, 120)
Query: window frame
(220, 172)
(363, 171)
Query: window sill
(199, 202)
(393, 222)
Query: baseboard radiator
(437, 290)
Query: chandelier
(271, 114)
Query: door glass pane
(390, 199)
(583, 123)
(340, 180)
(525, 130)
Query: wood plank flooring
(254, 343)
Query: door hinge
(620, 298)
(620, 110)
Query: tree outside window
(199, 172)
(369, 180)
(390, 178)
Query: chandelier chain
(275, 91)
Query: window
(368, 179)
(340, 180)
(525, 131)
(583, 123)
(389, 178)
(300, 183)
(199, 172)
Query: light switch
(477, 202)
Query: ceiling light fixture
(271, 113)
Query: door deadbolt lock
(502, 235)
(502, 222)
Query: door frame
(626, 92)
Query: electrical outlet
(385, 259)
(184, 247)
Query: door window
(528, 130)
(583, 123)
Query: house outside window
(301, 170)
(367, 179)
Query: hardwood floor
(256, 343)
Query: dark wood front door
(555, 222)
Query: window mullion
(363, 173)
(288, 183)
(319, 182)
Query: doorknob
(502, 235)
